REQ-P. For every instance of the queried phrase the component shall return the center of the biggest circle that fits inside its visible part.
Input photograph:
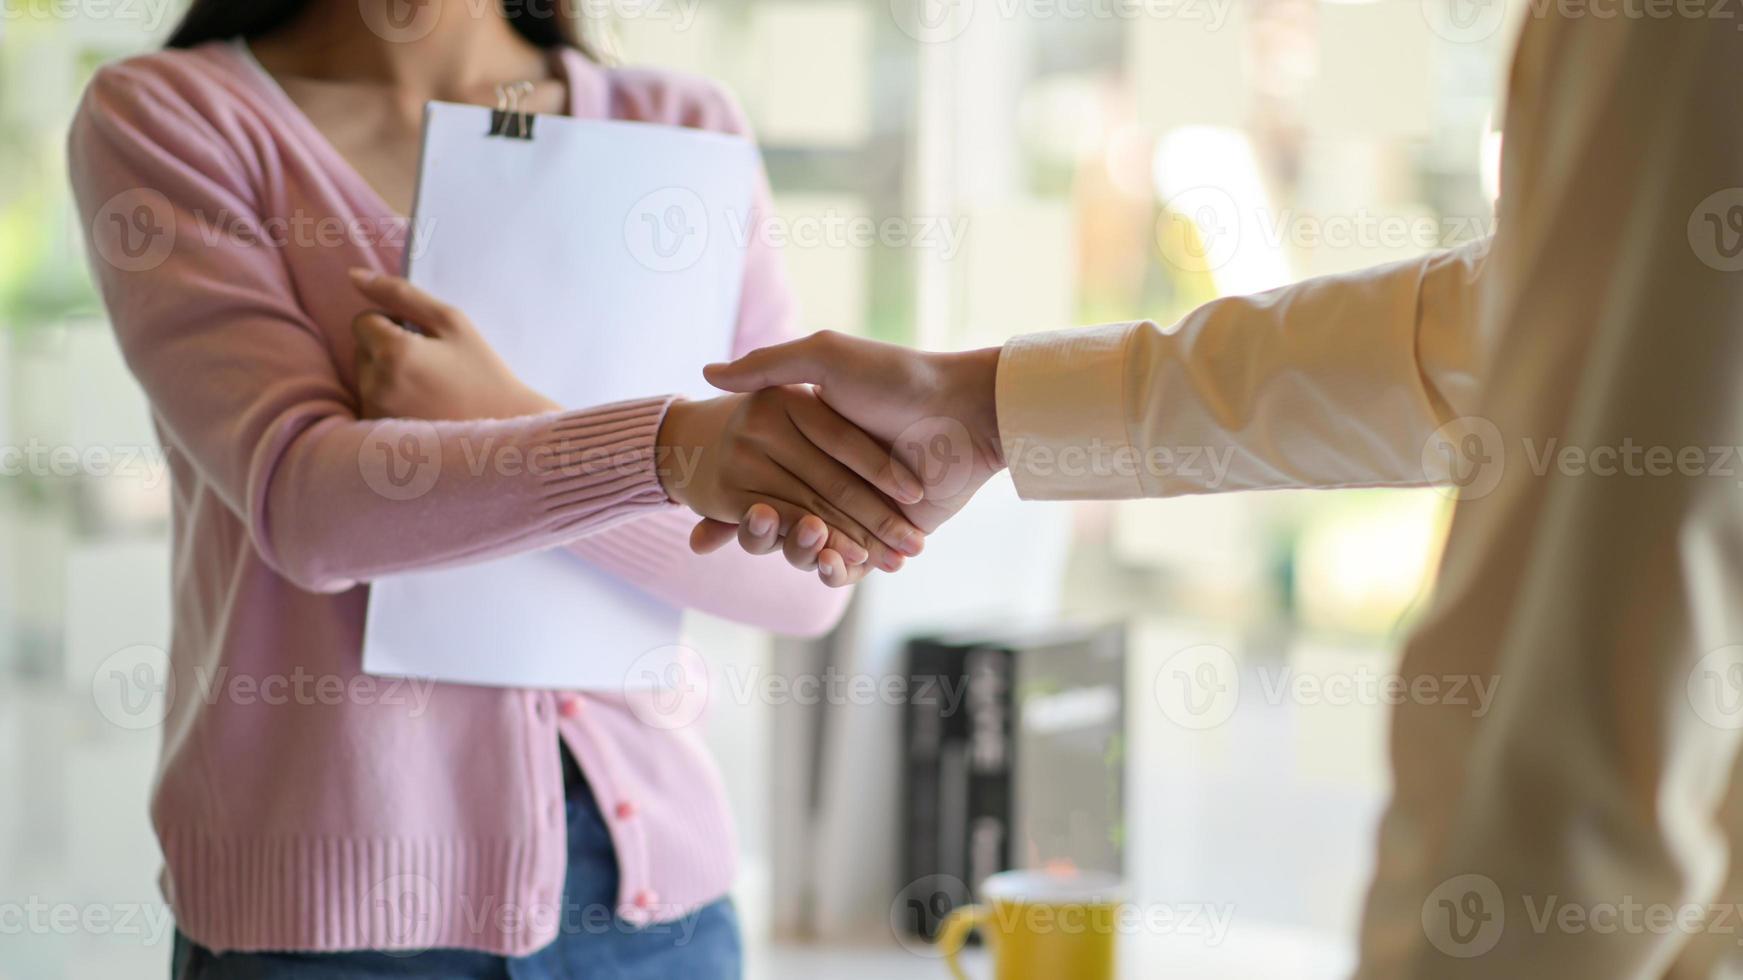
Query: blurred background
(948, 173)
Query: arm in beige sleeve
(1334, 381)
(1581, 833)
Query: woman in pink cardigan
(487, 832)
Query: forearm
(1336, 381)
(652, 553)
(348, 501)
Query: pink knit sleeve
(653, 552)
(244, 388)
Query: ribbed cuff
(602, 461)
(1062, 414)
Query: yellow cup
(1040, 926)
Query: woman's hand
(754, 451)
(759, 533)
(937, 412)
(722, 456)
(449, 371)
(806, 546)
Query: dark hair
(541, 22)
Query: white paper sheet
(603, 260)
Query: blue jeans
(704, 946)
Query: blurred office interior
(948, 175)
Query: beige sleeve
(1334, 381)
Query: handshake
(844, 453)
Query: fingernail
(908, 488)
(761, 524)
(809, 535)
(831, 570)
(362, 276)
(891, 563)
(912, 543)
(852, 553)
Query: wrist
(669, 447)
(974, 382)
(689, 431)
(531, 402)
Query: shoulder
(194, 76)
(167, 112)
(675, 98)
(190, 94)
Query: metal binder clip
(507, 119)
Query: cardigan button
(569, 706)
(645, 899)
(625, 810)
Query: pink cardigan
(331, 823)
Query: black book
(1013, 757)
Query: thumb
(802, 361)
(376, 333)
(398, 297)
(710, 535)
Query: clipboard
(603, 260)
